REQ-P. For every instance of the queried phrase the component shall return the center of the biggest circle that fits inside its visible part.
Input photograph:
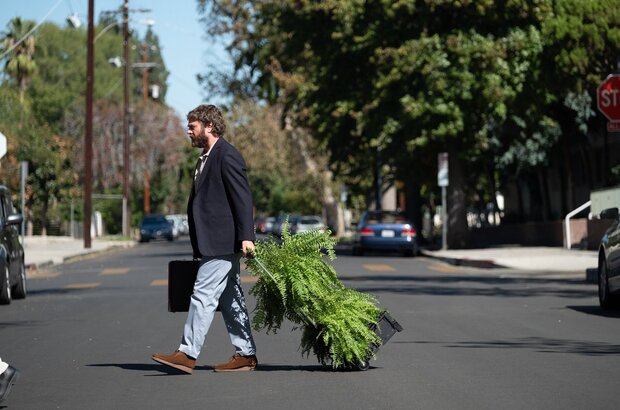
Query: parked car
(175, 226)
(269, 224)
(264, 224)
(387, 231)
(306, 223)
(156, 227)
(12, 267)
(609, 262)
(276, 229)
(180, 223)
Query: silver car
(306, 223)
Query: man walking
(220, 216)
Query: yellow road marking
(379, 268)
(249, 279)
(114, 271)
(89, 285)
(43, 275)
(159, 282)
(444, 268)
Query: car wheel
(606, 300)
(358, 251)
(5, 286)
(19, 290)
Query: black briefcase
(181, 278)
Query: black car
(609, 262)
(12, 267)
(386, 231)
(156, 227)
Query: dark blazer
(220, 210)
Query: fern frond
(302, 288)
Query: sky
(182, 37)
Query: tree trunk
(332, 210)
(413, 203)
(457, 209)
(544, 194)
(520, 197)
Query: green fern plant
(302, 288)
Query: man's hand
(247, 247)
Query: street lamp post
(88, 132)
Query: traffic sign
(2, 145)
(442, 169)
(608, 97)
(613, 126)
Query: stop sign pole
(608, 101)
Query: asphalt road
(472, 339)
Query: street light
(74, 21)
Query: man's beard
(199, 142)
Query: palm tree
(20, 64)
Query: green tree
(407, 78)
(499, 85)
(52, 138)
(20, 64)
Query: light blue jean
(217, 281)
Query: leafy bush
(304, 289)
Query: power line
(31, 31)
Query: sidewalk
(540, 258)
(41, 251)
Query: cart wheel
(363, 365)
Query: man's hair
(209, 114)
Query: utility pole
(126, 218)
(145, 95)
(145, 72)
(147, 192)
(88, 132)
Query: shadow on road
(147, 367)
(466, 286)
(544, 345)
(21, 323)
(596, 311)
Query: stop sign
(608, 97)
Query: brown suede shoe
(237, 363)
(178, 360)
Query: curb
(34, 266)
(473, 263)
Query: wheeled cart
(385, 328)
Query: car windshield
(309, 221)
(385, 218)
(152, 220)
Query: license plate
(387, 234)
